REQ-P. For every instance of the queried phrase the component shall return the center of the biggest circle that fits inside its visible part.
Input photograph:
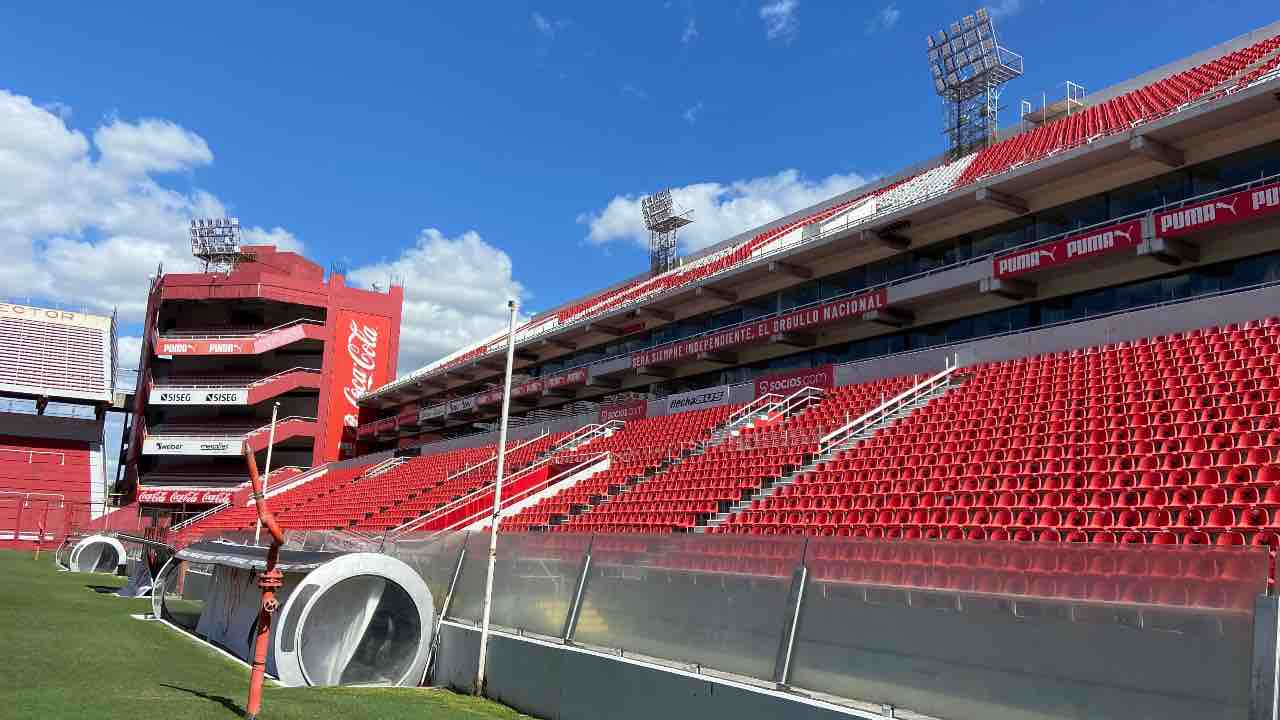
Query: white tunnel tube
(97, 553)
(363, 618)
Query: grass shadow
(222, 700)
(104, 589)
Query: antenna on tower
(216, 241)
(969, 66)
(664, 222)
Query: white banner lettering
(191, 446)
(698, 399)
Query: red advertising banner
(630, 410)
(764, 328)
(360, 360)
(786, 383)
(533, 387)
(577, 376)
(1072, 248)
(177, 496)
(205, 347)
(1225, 210)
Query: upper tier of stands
(1205, 82)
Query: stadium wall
(548, 680)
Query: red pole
(269, 581)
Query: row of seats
(1120, 113)
(640, 447)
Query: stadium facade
(1157, 190)
(56, 373)
(220, 350)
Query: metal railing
(492, 458)
(759, 405)
(31, 455)
(231, 381)
(233, 332)
(886, 408)
(800, 400)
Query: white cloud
(1005, 8)
(690, 32)
(85, 223)
(635, 92)
(780, 21)
(885, 19)
(720, 211)
(128, 352)
(455, 292)
(692, 112)
(549, 27)
(278, 236)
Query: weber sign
(191, 446)
(698, 400)
(221, 396)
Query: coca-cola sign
(185, 496)
(358, 362)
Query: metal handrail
(886, 408)
(492, 458)
(202, 334)
(31, 454)
(802, 396)
(210, 381)
(752, 408)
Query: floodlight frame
(663, 223)
(216, 241)
(968, 66)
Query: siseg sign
(222, 396)
(191, 446)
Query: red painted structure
(222, 348)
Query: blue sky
(412, 138)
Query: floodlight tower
(216, 241)
(969, 66)
(664, 222)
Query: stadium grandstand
(260, 330)
(995, 437)
(57, 370)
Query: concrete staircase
(850, 436)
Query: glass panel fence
(433, 555)
(715, 601)
(1010, 630)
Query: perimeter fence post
(795, 602)
(571, 621)
(1263, 686)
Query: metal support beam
(1168, 251)
(795, 603)
(800, 340)
(890, 236)
(658, 371)
(559, 344)
(717, 294)
(1007, 288)
(575, 610)
(653, 314)
(1166, 155)
(785, 268)
(892, 317)
(604, 329)
(722, 358)
(604, 382)
(1003, 201)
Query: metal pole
(497, 498)
(271, 443)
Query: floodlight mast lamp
(496, 518)
(969, 66)
(216, 241)
(663, 222)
